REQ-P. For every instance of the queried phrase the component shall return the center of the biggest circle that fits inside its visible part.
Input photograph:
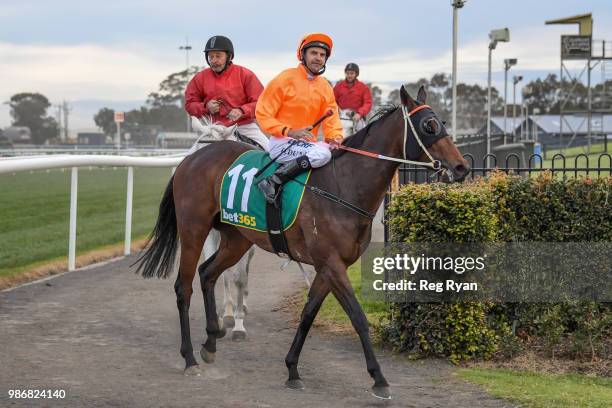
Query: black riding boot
(269, 186)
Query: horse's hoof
(295, 384)
(228, 321)
(207, 356)
(238, 336)
(221, 333)
(382, 392)
(193, 371)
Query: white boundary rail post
(128, 211)
(74, 180)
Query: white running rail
(30, 163)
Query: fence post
(74, 179)
(128, 211)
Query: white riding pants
(317, 152)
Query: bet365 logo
(238, 218)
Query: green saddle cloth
(243, 204)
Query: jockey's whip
(291, 142)
(322, 118)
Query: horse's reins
(434, 164)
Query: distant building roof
(497, 125)
(573, 123)
(176, 139)
(551, 124)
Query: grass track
(34, 210)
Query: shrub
(502, 208)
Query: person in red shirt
(354, 99)
(226, 92)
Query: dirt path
(110, 338)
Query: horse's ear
(406, 98)
(422, 95)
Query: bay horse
(327, 235)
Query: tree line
(163, 109)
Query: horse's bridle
(434, 164)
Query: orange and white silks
(296, 99)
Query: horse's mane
(356, 140)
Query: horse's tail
(158, 258)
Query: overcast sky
(113, 53)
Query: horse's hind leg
(211, 245)
(233, 245)
(241, 280)
(228, 301)
(191, 247)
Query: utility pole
(66, 109)
(187, 48)
(58, 118)
(457, 4)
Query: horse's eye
(430, 126)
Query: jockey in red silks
(354, 96)
(226, 92)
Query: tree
(543, 94)
(30, 110)
(436, 98)
(172, 88)
(376, 96)
(471, 100)
(105, 120)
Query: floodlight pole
(508, 63)
(515, 80)
(492, 46)
(495, 36)
(457, 4)
(507, 67)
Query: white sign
(119, 117)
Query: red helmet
(315, 40)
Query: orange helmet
(315, 40)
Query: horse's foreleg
(343, 291)
(229, 253)
(318, 291)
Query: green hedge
(500, 209)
